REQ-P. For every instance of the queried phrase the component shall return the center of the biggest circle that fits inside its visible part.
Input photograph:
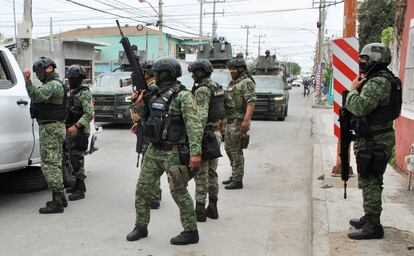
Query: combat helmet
(147, 67)
(201, 64)
(267, 52)
(76, 71)
(170, 64)
(236, 63)
(42, 63)
(376, 52)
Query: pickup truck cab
(19, 134)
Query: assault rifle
(346, 138)
(138, 81)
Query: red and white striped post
(318, 85)
(345, 69)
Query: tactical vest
(50, 111)
(162, 124)
(391, 111)
(75, 112)
(216, 110)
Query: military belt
(50, 122)
(165, 146)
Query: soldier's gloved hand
(356, 84)
(135, 117)
(245, 126)
(26, 74)
(195, 162)
(72, 130)
(138, 100)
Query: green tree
(293, 68)
(387, 35)
(373, 17)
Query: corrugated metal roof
(106, 31)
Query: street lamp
(160, 34)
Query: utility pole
(201, 19)
(350, 10)
(51, 37)
(24, 34)
(214, 26)
(160, 21)
(321, 28)
(259, 43)
(247, 27)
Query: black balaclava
(235, 74)
(164, 79)
(75, 82)
(369, 68)
(199, 75)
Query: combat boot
(185, 237)
(79, 193)
(71, 189)
(212, 212)
(200, 212)
(155, 203)
(358, 223)
(54, 206)
(228, 181)
(368, 231)
(137, 233)
(62, 198)
(234, 185)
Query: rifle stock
(345, 140)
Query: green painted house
(146, 39)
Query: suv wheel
(23, 181)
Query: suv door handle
(20, 102)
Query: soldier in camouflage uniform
(209, 97)
(48, 106)
(78, 127)
(170, 118)
(372, 101)
(242, 92)
(142, 143)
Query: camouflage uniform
(51, 134)
(156, 193)
(82, 100)
(206, 179)
(156, 162)
(375, 92)
(242, 93)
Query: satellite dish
(140, 27)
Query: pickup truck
(112, 102)
(19, 134)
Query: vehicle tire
(26, 180)
(281, 118)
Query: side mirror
(288, 87)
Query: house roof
(106, 31)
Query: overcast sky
(292, 33)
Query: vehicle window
(268, 82)
(110, 80)
(6, 78)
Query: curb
(319, 212)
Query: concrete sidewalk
(331, 212)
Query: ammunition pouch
(175, 130)
(244, 141)
(210, 146)
(371, 163)
(152, 130)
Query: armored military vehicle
(268, 65)
(218, 52)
